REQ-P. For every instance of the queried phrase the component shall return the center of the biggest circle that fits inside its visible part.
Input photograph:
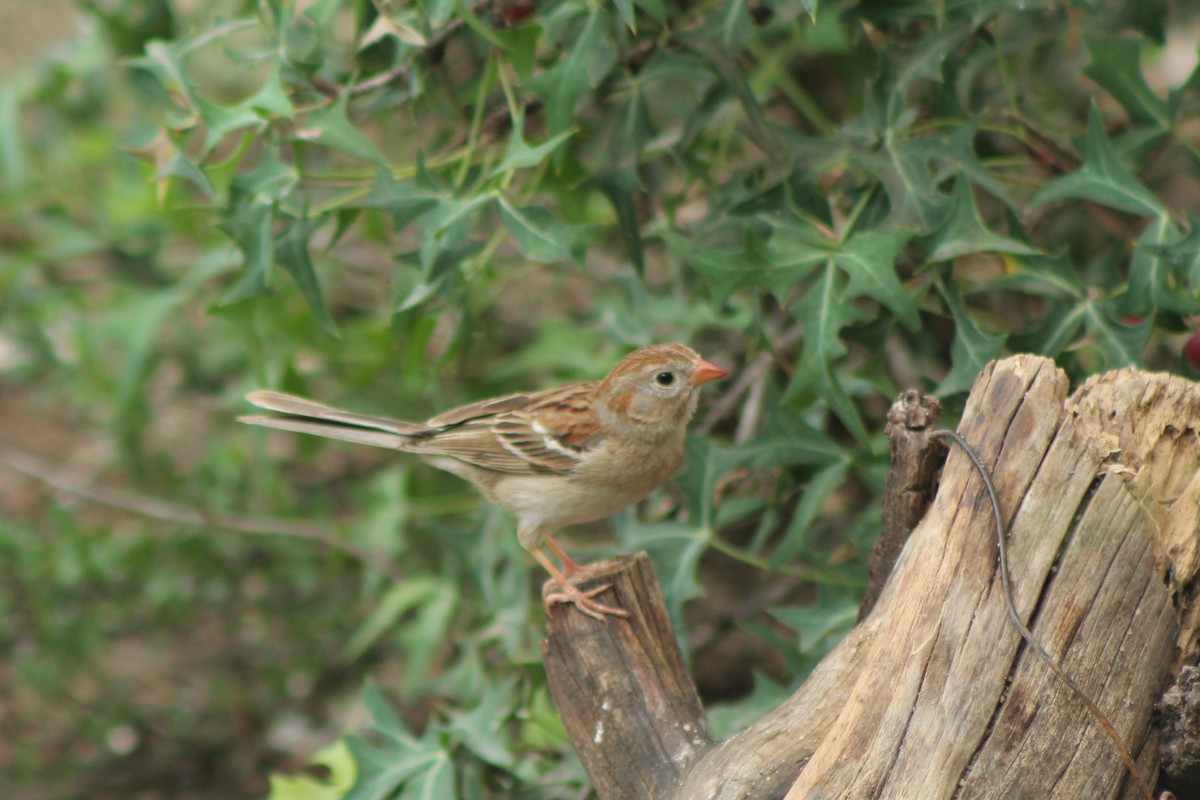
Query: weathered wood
(622, 688)
(917, 455)
(1180, 733)
(935, 695)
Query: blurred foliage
(401, 206)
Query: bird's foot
(562, 592)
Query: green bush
(399, 207)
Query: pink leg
(573, 594)
(569, 565)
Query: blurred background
(402, 206)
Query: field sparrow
(552, 458)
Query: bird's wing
(532, 433)
(521, 401)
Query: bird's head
(654, 390)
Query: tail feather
(375, 438)
(301, 407)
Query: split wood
(935, 695)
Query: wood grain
(935, 695)
(622, 688)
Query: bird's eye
(665, 378)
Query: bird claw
(580, 599)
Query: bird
(551, 458)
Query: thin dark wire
(1015, 618)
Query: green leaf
(903, 167)
(171, 161)
(1120, 344)
(520, 155)
(732, 21)
(440, 268)
(435, 782)
(786, 438)
(1044, 276)
(795, 538)
(480, 729)
(421, 639)
(291, 251)
(1116, 66)
(591, 56)
(451, 210)
(1060, 331)
(165, 61)
(472, 21)
(338, 762)
(419, 768)
(926, 59)
(385, 719)
(1102, 179)
(251, 226)
(733, 76)
(623, 154)
(728, 719)
(331, 127)
(438, 11)
(822, 625)
(912, 170)
(403, 24)
(220, 121)
(1185, 258)
(541, 236)
(382, 772)
(398, 600)
(249, 220)
(14, 166)
(676, 549)
(964, 232)
(143, 321)
(785, 262)
(625, 9)
(826, 310)
(972, 348)
(868, 259)
(1152, 284)
(322, 12)
(404, 200)
(621, 196)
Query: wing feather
(534, 433)
(529, 433)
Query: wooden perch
(935, 695)
(917, 457)
(621, 686)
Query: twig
(748, 382)
(154, 508)
(432, 53)
(1015, 618)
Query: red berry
(1192, 350)
(1133, 319)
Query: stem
(485, 83)
(805, 573)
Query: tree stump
(935, 695)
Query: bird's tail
(307, 416)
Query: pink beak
(706, 371)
